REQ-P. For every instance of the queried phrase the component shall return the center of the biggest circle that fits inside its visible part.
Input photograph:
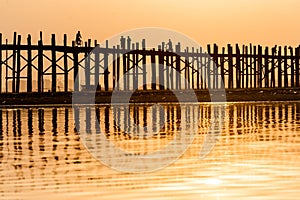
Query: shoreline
(153, 96)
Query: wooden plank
(18, 65)
(66, 74)
(53, 62)
(29, 65)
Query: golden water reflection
(256, 156)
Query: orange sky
(265, 22)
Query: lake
(50, 152)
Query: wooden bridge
(28, 67)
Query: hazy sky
(264, 22)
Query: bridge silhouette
(211, 68)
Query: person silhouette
(169, 45)
(78, 39)
(128, 42)
(123, 41)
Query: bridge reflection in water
(41, 154)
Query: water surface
(256, 156)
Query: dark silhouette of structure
(240, 67)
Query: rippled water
(256, 156)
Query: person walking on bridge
(78, 39)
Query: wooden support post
(14, 63)
(29, 67)
(97, 65)
(106, 72)
(76, 67)
(161, 70)
(186, 71)
(118, 67)
(222, 61)
(153, 68)
(246, 66)
(208, 72)
(87, 68)
(53, 53)
(266, 67)
(292, 68)
(273, 68)
(66, 72)
(279, 71)
(193, 69)
(171, 72)
(215, 67)
(144, 65)
(136, 66)
(114, 67)
(198, 69)
(250, 67)
(238, 67)
(202, 69)
(1, 64)
(297, 66)
(168, 68)
(124, 71)
(254, 67)
(259, 65)
(178, 78)
(230, 66)
(285, 65)
(40, 66)
(18, 65)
